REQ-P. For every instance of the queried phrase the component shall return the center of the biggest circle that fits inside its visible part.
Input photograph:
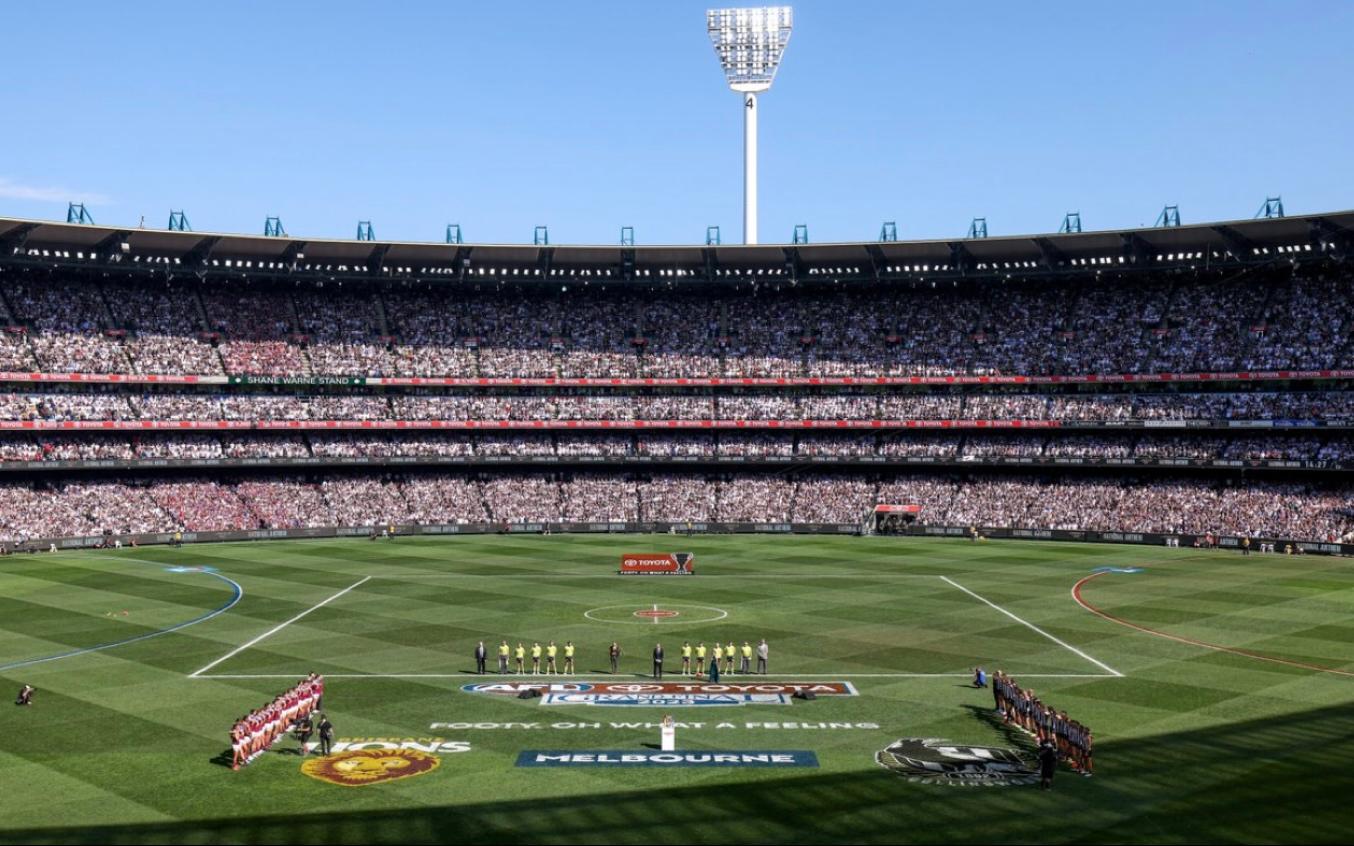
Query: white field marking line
(612, 575)
(1032, 627)
(274, 630)
(625, 679)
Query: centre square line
(1032, 627)
(275, 629)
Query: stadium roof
(55, 244)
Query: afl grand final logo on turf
(934, 761)
(360, 767)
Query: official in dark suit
(658, 661)
(481, 655)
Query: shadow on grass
(224, 758)
(1285, 779)
(1009, 734)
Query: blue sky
(586, 118)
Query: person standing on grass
(746, 666)
(239, 744)
(686, 658)
(763, 653)
(326, 735)
(304, 729)
(503, 658)
(730, 653)
(481, 655)
(714, 662)
(658, 661)
(569, 657)
(521, 655)
(550, 652)
(536, 658)
(700, 659)
(1048, 764)
(615, 654)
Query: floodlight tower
(750, 44)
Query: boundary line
(1245, 653)
(239, 593)
(1032, 627)
(237, 650)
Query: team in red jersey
(255, 732)
(1022, 709)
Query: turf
(1193, 744)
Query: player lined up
(1021, 708)
(255, 732)
(721, 659)
(518, 656)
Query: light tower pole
(750, 44)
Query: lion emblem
(359, 767)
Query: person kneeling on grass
(979, 677)
(25, 696)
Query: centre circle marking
(649, 615)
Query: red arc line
(1245, 653)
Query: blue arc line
(238, 593)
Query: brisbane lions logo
(369, 766)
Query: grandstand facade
(1179, 384)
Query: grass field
(1194, 743)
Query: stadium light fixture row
(1097, 262)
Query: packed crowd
(1336, 448)
(1254, 323)
(1090, 408)
(88, 508)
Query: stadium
(303, 479)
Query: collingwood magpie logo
(931, 760)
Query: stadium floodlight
(750, 43)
